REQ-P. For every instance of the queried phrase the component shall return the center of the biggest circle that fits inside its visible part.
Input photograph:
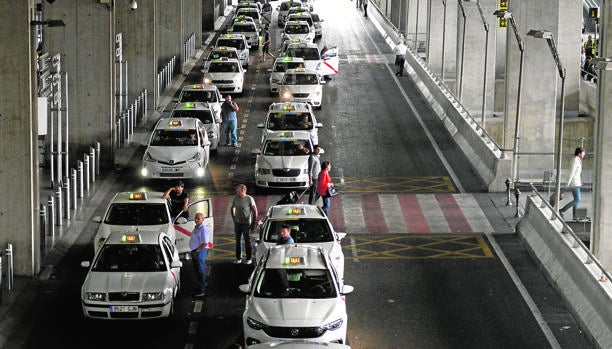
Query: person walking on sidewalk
(574, 182)
(229, 111)
(199, 243)
(325, 182)
(400, 57)
(314, 168)
(244, 214)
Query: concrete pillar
(601, 236)
(471, 57)
(169, 24)
(451, 43)
(435, 30)
(87, 48)
(18, 136)
(540, 85)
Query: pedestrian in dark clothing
(179, 200)
(365, 8)
(400, 57)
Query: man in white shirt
(400, 52)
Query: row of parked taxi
(295, 296)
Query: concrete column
(451, 43)
(169, 40)
(435, 32)
(18, 136)
(540, 84)
(86, 45)
(139, 48)
(601, 236)
(473, 55)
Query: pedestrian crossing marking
(367, 58)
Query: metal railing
(134, 114)
(164, 78)
(576, 241)
(188, 52)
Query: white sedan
(133, 276)
(227, 74)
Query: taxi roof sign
(131, 238)
(189, 105)
(197, 86)
(288, 107)
(175, 123)
(138, 196)
(296, 211)
(294, 260)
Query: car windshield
(296, 29)
(174, 138)
(204, 115)
(295, 283)
(285, 148)
(223, 67)
(237, 43)
(136, 214)
(281, 67)
(198, 96)
(249, 12)
(298, 17)
(304, 230)
(222, 53)
(289, 121)
(300, 79)
(130, 258)
(247, 27)
(308, 53)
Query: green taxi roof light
(138, 196)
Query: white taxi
(282, 160)
(250, 31)
(302, 85)
(227, 74)
(134, 275)
(280, 66)
(208, 94)
(239, 42)
(303, 344)
(325, 64)
(251, 12)
(298, 30)
(220, 52)
(149, 211)
(291, 116)
(309, 225)
(177, 148)
(206, 113)
(283, 8)
(294, 294)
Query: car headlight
(144, 172)
(207, 80)
(152, 296)
(264, 171)
(196, 157)
(254, 324)
(287, 95)
(96, 296)
(332, 326)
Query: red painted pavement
(335, 214)
(413, 215)
(373, 214)
(453, 214)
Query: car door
(184, 227)
(329, 62)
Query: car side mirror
(244, 288)
(85, 264)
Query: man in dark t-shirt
(179, 200)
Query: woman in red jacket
(324, 183)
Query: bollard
(43, 224)
(118, 133)
(86, 172)
(1, 291)
(517, 193)
(80, 175)
(92, 163)
(59, 209)
(98, 150)
(509, 201)
(9, 266)
(51, 215)
(67, 196)
(73, 177)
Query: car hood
(283, 161)
(224, 76)
(125, 282)
(177, 154)
(298, 311)
(302, 88)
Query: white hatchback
(249, 30)
(309, 225)
(282, 160)
(206, 113)
(134, 275)
(239, 42)
(294, 294)
(280, 66)
(227, 74)
(177, 148)
(302, 85)
(291, 116)
(298, 30)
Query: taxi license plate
(169, 169)
(285, 179)
(124, 308)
